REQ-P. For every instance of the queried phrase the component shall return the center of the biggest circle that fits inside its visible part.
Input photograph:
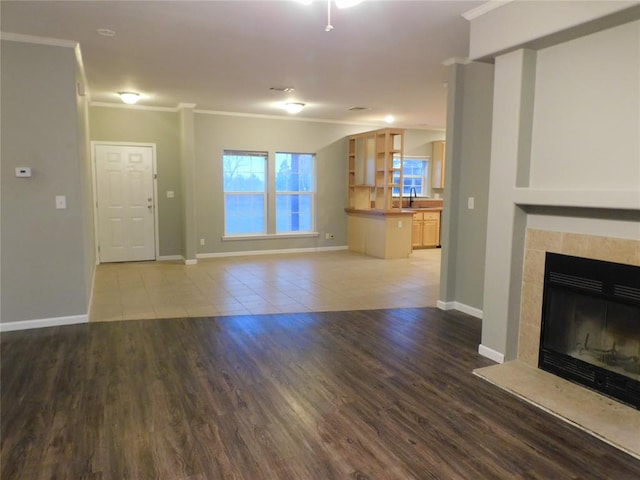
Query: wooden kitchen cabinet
(372, 172)
(439, 164)
(425, 231)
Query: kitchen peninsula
(376, 226)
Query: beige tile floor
(286, 283)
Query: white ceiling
(225, 55)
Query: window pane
(244, 172)
(244, 214)
(294, 213)
(245, 186)
(294, 172)
(415, 175)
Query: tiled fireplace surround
(539, 242)
(601, 416)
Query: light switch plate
(61, 202)
(23, 172)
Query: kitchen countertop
(423, 209)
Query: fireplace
(591, 325)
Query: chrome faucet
(412, 194)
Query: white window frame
(425, 177)
(235, 193)
(311, 194)
(270, 199)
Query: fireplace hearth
(591, 325)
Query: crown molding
(484, 8)
(456, 61)
(289, 118)
(256, 115)
(132, 107)
(54, 42)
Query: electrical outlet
(61, 202)
(329, 236)
(202, 241)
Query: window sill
(274, 236)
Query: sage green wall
(468, 157)
(45, 268)
(216, 133)
(114, 124)
(86, 185)
(565, 124)
(473, 181)
(520, 23)
(564, 100)
(188, 172)
(213, 133)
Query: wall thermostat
(23, 171)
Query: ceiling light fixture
(106, 32)
(293, 107)
(339, 4)
(389, 119)
(129, 98)
(282, 89)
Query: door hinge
(155, 176)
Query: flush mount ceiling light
(282, 89)
(106, 32)
(339, 4)
(293, 107)
(389, 119)
(129, 98)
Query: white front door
(126, 220)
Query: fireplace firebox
(591, 325)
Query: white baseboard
(461, 307)
(490, 354)
(192, 261)
(43, 322)
(445, 305)
(165, 258)
(270, 252)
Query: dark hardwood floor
(385, 394)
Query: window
(264, 198)
(295, 182)
(415, 175)
(245, 192)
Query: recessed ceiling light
(106, 32)
(389, 119)
(129, 97)
(293, 107)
